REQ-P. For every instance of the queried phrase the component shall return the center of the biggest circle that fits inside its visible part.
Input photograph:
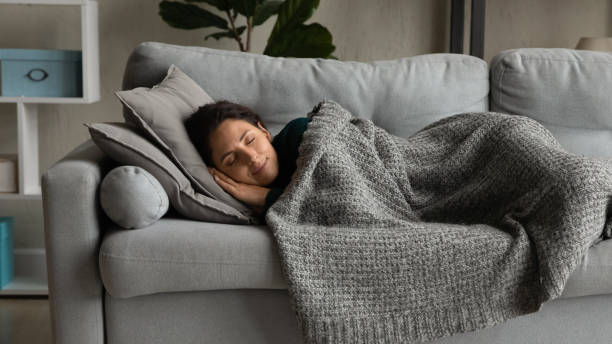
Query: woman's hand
(253, 195)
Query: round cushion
(132, 197)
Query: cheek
(238, 173)
(265, 145)
(235, 171)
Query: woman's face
(244, 152)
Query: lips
(260, 168)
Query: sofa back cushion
(568, 91)
(401, 95)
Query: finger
(220, 178)
(225, 185)
(222, 174)
(226, 179)
(213, 171)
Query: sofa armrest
(73, 231)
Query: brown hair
(202, 123)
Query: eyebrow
(241, 137)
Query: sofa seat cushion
(175, 254)
(594, 274)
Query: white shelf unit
(32, 276)
(27, 107)
(30, 273)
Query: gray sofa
(184, 281)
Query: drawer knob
(37, 74)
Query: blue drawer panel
(40, 73)
(6, 250)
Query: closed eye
(232, 162)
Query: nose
(251, 156)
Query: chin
(265, 180)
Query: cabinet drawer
(40, 73)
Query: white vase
(8, 175)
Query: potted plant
(290, 37)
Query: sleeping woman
(243, 157)
(485, 207)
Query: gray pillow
(124, 144)
(161, 111)
(132, 197)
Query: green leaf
(187, 16)
(265, 10)
(293, 13)
(312, 40)
(228, 34)
(245, 7)
(222, 5)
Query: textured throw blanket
(475, 219)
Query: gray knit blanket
(475, 219)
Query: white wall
(544, 23)
(363, 30)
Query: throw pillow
(132, 197)
(161, 112)
(124, 144)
